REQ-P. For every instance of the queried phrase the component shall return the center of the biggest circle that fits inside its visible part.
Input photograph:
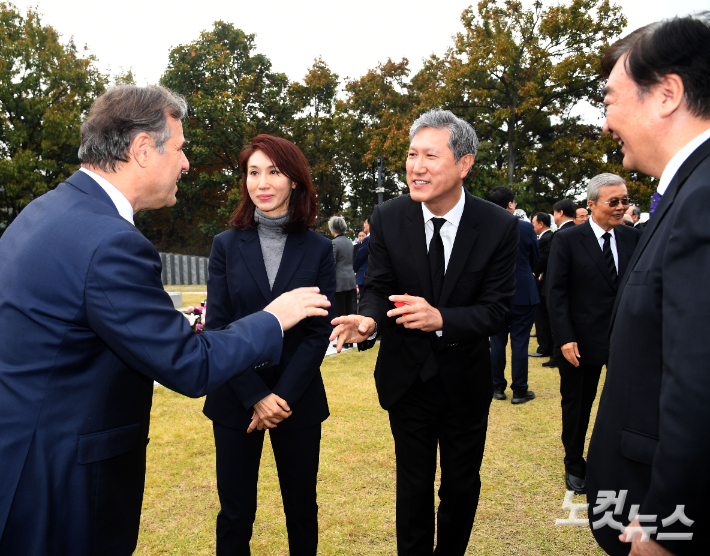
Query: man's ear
(670, 90)
(465, 162)
(140, 149)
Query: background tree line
(519, 76)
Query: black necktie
(436, 260)
(609, 256)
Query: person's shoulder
(627, 231)
(321, 241)
(482, 209)
(527, 226)
(396, 204)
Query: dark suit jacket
(580, 294)
(360, 261)
(540, 269)
(653, 425)
(237, 287)
(528, 254)
(87, 329)
(478, 286)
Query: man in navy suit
(650, 447)
(522, 309)
(360, 259)
(88, 328)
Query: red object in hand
(399, 304)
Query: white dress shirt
(676, 162)
(448, 230)
(599, 232)
(122, 205)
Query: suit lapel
(294, 250)
(591, 244)
(254, 260)
(418, 246)
(625, 249)
(687, 168)
(465, 238)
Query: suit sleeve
(544, 248)
(380, 281)
(129, 310)
(557, 293)
(534, 250)
(308, 358)
(680, 465)
(487, 315)
(249, 387)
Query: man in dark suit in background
(454, 254)
(586, 263)
(581, 216)
(522, 309)
(635, 213)
(541, 222)
(360, 259)
(564, 213)
(652, 429)
(88, 328)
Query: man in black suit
(522, 309)
(564, 212)
(650, 441)
(541, 222)
(635, 213)
(586, 263)
(454, 254)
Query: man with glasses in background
(586, 265)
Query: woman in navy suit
(268, 251)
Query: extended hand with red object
(399, 304)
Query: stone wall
(179, 270)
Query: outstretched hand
(294, 306)
(352, 329)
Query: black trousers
(238, 456)
(345, 302)
(518, 323)
(420, 421)
(543, 328)
(578, 387)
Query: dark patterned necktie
(436, 260)
(609, 256)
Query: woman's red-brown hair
(288, 158)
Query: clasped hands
(416, 313)
(269, 412)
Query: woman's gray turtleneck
(272, 239)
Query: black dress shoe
(551, 363)
(499, 393)
(535, 355)
(575, 484)
(522, 396)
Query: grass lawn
(522, 475)
(190, 298)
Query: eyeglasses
(625, 202)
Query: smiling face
(605, 216)
(268, 188)
(432, 175)
(631, 120)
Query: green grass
(522, 476)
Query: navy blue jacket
(237, 287)
(528, 253)
(87, 328)
(360, 261)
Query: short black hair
(566, 207)
(543, 218)
(680, 45)
(501, 196)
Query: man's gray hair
(600, 181)
(635, 211)
(462, 137)
(119, 115)
(337, 225)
